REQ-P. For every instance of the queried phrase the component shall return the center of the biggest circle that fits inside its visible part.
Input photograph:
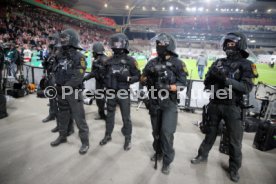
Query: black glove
(163, 86)
(121, 78)
(149, 71)
(59, 90)
(219, 74)
(85, 79)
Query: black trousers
(164, 121)
(3, 108)
(231, 114)
(100, 101)
(71, 106)
(124, 105)
(53, 108)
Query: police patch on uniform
(136, 64)
(254, 70)
(83, 62)
(185, 68)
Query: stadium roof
(171, 7)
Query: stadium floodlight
(188, 9)
(241, 10)
(144, 8)
(232, 10)
(163, 8)
(216, 9)
(227, 9)
(171, 8)
(237, 9)
(207, 10)
(256, 11)
(176, 8)
(200, 9)
(127, 7)
(194, 9)
(269, 10)
(153, 8)
(105, 5)
(252, 41)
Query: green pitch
(266, 74)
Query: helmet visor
(64, 39)
(117, 43)
(231, 38)
(161, 40)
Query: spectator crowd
(28, 27)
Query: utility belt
(156, 104)
(112, 82)
(114, 94)
(224, 102)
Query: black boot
(198, 159)
(58, 141)
(4, 115)
(127, 145)
(106, 139)
(159, 157)
(54, 130)
(48, 118)
(70, 132)
(234, 176)
(166, 169)
(100, 118)
(85, 146)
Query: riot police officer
(69, 74)
(3, 108)
(121, 71)
(49, 64)
(233, 76)
(2, 60)
(98, 73)
(164, 73)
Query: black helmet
(167, 40)
(70, 37)
(240, 40)
(53, 40)
(98, 48)
(119, 41)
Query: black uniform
(121, 71)
(234, 72)
(98, 72)
(2, 59)
(116, 81)
(228, 109)
(162, 72)
(3, 108)
(164, 112)
(49, 64)
(69, 73)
